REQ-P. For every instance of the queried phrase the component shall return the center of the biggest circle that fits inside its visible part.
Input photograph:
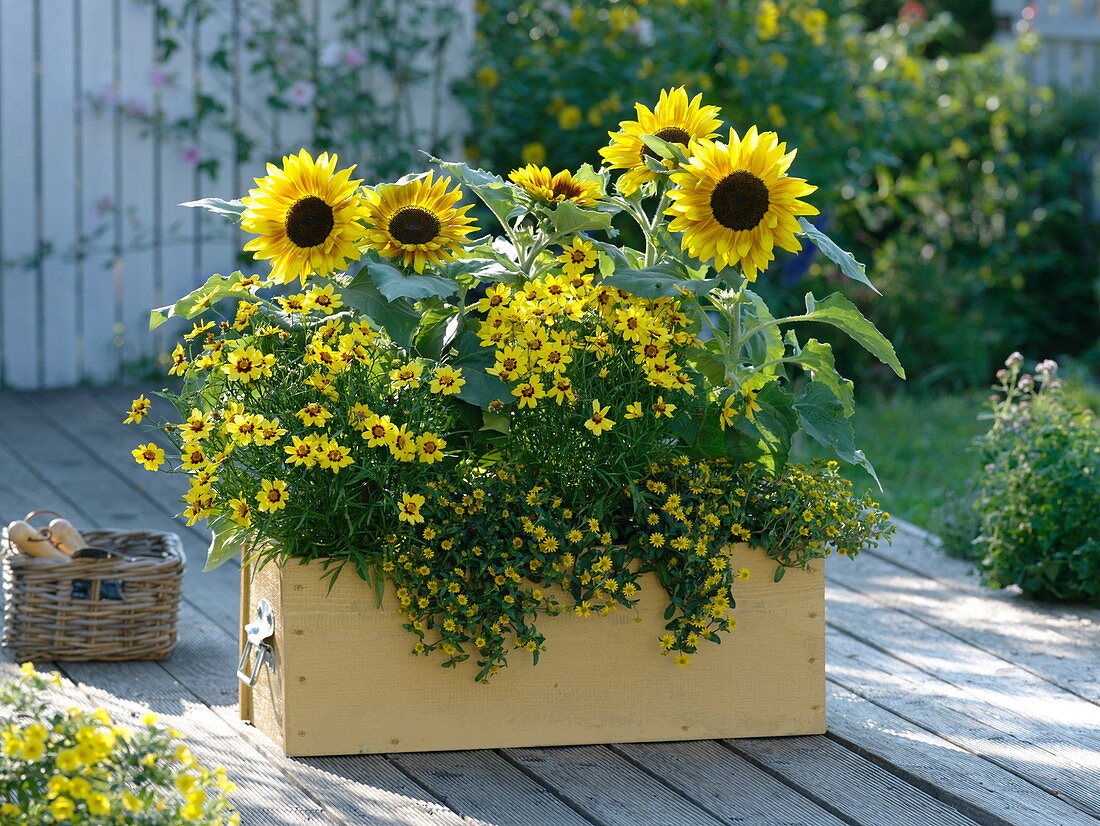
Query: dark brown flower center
(414, 225)
(670, 134)
(309, 222)
(739, 201)
(566, 189)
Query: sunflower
(418, 221)
(305, 216)
(539, 183)
(674, 119)
(735, 203)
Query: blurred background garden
(954, 145)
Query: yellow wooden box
(343, 680)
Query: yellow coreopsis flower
(325, 299)
(530, 392)
(179, 361)
(429, 448)
(663, 408)
(634, 411)
(409, 508)
(577, 257)
(447, 380)
(273, 495)
(148, 456)
(139, 407)
(314, 414)
(332, 456)
(300, 452)
(246, 364)
(240, 512)
(407, 375)
(598, 422)
(379, 431)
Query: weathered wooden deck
(948, 704)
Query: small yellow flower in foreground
(325, 299)
(447, 380)
(150, 718)
(634, 410)
(663, 408)
(429, 448)
(27, 670)
(332, 456)
(530, 392)
(598, 421)
(247, 364)
(577, 257)
(300, 453)
(179, 361)
(727, 414)
(743, 574)
(407, 375)
(148, 456)
(198, 426)
(410, 508)
(682, 659)
(240, 512)
(273, 496)
(62, 808)
(138, 408)
(314, 414)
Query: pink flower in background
(300, 94)
(109, 95)
(913, 11)
(103, 207)
(136, 107)
(191, 155)
(158, 78)
(354, 58)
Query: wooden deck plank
(881, 679)
(1050, 639)
(485, 786)
(607, 789)
(1002, 691)
(727, 785)
(973, 785)
(824, 770)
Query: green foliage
(966, 188)
(1037, 494)
(79, 767)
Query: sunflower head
(418, 222)
(674, 119)
(304, 216)
(537, 182)
(734, 202)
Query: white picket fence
(75, 175)
(1069, 30)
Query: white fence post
(72, 170)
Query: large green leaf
(230, 209)
(845, 260)
(438, 327)
(821, 414)
(766, 345)
(659, 281)
(501, 197)
(776, 420)
(398, 318)
(568, 218)
(838, 311)
(226, 541)
(395, 283)
(817, 357)
(481, 388)
(199, 301)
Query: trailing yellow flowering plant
(80, 767)
(508, 424)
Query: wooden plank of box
(342, 678)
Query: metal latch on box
(257, 634)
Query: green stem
(775, 322)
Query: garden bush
(966, 187)
(1034, 502)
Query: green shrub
(965, 187)
(1039, 488)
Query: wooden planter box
(343, 680)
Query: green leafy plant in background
(1034, 522)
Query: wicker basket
(95, 609)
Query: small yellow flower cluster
(551, 330)
(80, 767)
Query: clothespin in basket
(59, 540)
